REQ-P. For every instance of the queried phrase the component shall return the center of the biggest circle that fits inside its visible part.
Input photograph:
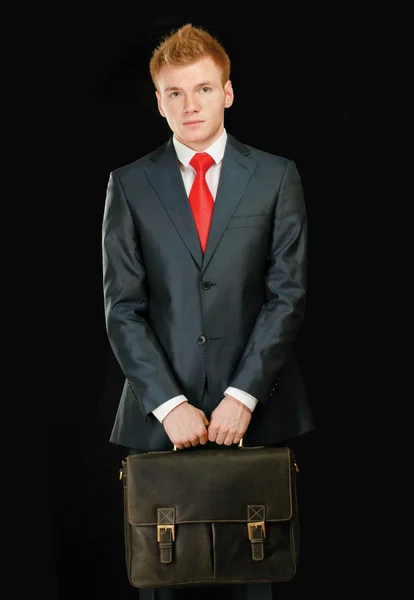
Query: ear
(229, 94)
(158, 95)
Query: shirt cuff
(243, 397)
(162, 411)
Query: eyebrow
(175, 88)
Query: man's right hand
(186, 426)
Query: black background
(301, 80)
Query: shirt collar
(216, 150)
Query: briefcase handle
(239, 445)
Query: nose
(190, 104)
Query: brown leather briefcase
(206, 516)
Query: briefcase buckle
(255, 524)
(164, 527)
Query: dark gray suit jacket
(176, 319)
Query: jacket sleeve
(280, 317)
(131, 337)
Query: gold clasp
(255, 524)
(170, 527)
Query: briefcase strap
(166, 533)
(256, 529)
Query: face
(192, 99)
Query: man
(204, 302)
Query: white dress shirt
(185, 154)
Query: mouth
(192, 122)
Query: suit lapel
(237, 169)
(165, 177)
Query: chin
(193, 135)
(190, 138)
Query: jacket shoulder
(139, 164)
(262, 156)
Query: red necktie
(201, 200)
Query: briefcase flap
(209, 485)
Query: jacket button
(201, 339)
(206, 285)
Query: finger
(220, 438)
(203, 437)
(212, 434)
(195, 442)
(229, 439)
(187, 445)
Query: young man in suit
(204, 301)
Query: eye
(174, 94)
(205, 90)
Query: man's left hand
(229, 421)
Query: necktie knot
(202, 161)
